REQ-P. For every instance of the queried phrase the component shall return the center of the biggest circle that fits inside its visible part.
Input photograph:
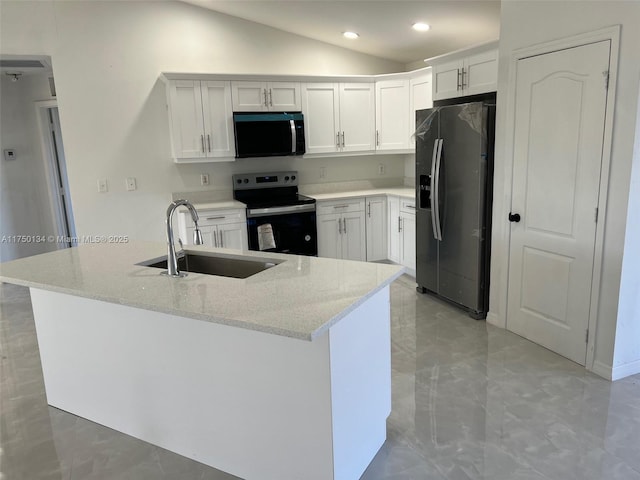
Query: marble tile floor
(470, 401)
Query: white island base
(256, 405)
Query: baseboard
(602, 370)
(625, 370)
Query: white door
(420, 97)
(218, 119)
(187, 124)
(320, 107)
(233, 235)
(392, 103)
(249, 96)
(353, 236)
(481, 73)
(559, 124)
(447, 80)
(394, 228)
(408, 239)
(329, 235)
(284, 96)
(376, 227)
(357, 117)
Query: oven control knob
(239, 181)
(293, 177)
(286, 179)
(246, 180)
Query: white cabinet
(339, 117)
(392, 104)
(470, 75)
(376, 227)
(420, 97)
(341, 229)
(200, 120)
(220, 228)
(402, 232)
(266, 96)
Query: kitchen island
(282, 375)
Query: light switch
(204, 179)
(130, 183)
(9, 154)
(103, 186)
(381, 169)
(323, 172)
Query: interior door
(559, 125)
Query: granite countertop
(399, 191)
(299, 298)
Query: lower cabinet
(341, 230)
(402, 231)
(376, 227)
(220, 228)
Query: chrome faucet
(172, 259)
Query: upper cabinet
(339, 117)
(467, 75)
(420, 97)
(392, 105)
(266, 96)
(200, 120)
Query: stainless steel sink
(216, 265)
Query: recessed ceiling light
(421, 27)
(350, 35)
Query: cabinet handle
(221, 239)
(216, 218)
(264, 93)
(215, 238)
(369, 208)
(377, 138)
(410, 206)
(270, 98)
(209, 141)
(399, 224)
(341, 206)
(340, 226)
(202, 142)
(464, 85)
(338, 139)
(459, 86)
(342, 139)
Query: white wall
(525, 23)
(24, 201)
(107, 58)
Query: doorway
(561, 108)
(56, 168)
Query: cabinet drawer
(216, 217)
(407, 205)
(340, 206)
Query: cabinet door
(218, 119)
(357, 117)
(249, 96)
(394, 228)
(329, 236)
(408, 234)
(392, 104)
(447, 80)
(186, 120)
(420, 97)
(376, 227)
(284, 96)
(321, 119)
(353, 236)
(209, 236)
(233, 235)
(481, 73)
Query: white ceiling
(384, 25)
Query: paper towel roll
(265, 237)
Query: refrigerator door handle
(435, 207)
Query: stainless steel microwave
(268, 134)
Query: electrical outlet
(103, 186)
(130, 183)
(381, 169)
(204, 179)
(323, 172)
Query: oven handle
(263, 212)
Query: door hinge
(586, 337)
(605, 74)
(596, 216)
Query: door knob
(514, 217)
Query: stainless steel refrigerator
(454, 170)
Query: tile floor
(469, 402)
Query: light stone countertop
(299, 298)
(399, 191)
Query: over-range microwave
(268, 134)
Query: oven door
(289, 229)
